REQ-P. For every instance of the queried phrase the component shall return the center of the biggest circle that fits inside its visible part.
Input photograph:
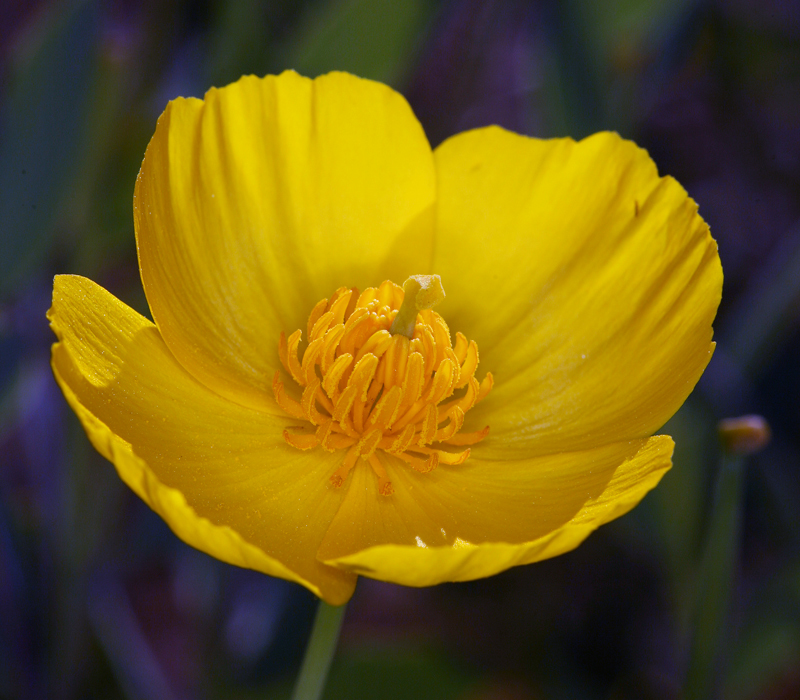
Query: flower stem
(319, 652)
(717, 576)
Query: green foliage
(368, 38)
(392, 674)
(44, 108)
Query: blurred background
(99, 600)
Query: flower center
(380, 376)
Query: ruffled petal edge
(425, 566)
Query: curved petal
(217, 472)
(263, 198)
(476, 524)
(589, 283)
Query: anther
(380, 379)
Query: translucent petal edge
(426, 566)
(219, 541)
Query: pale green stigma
(421, 292)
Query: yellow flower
(588, 284)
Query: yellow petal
(589, 283)
(478, 520)
(217, 472)
(266, 196)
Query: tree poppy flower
(586, 283)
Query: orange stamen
(374, 392)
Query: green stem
(716, 581)
(319, 653)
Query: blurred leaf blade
(395, 674)
(370, 39)
(43, 111)
(238, 45)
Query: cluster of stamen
(369, 390)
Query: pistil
(420, 292)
